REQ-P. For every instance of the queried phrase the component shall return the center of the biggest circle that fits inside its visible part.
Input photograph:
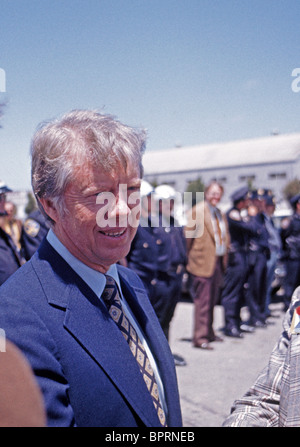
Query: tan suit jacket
(202, 247)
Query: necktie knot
(110, 293)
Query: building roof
(266, 150)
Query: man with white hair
(83, 321)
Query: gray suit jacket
(274, 399)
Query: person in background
(165, 195)
(240, 228)
(12, 225)
(150, 254)
(207, 259)
(275, 246)
(259, 254)
(290, 236)
(10, 258)
(34, 230)
(84, 322)
(151, 258)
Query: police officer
(290, 235)
(259, 254)
(165, 195)
(150, 255)
(241, 229)
(10, 258)
(34, 230)
(274, 245)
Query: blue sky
(189, 71)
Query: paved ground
(212, 380)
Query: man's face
(94, 226)
(213, 195)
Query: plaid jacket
(274, 399)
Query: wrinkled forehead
(94, 174)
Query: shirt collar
(95, 280)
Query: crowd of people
(83, 321)
(89, 299)
(229, 258)
(232, 260)
(226, 258)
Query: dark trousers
(205, 293)
(233, 291)
(257, 288)
(164, 295)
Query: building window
(246, 178)
(219, 179)
(277, 175)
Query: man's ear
(49, 208)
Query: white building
(269, 162)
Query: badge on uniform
(295, 326)
(31, 227)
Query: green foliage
(291, 189)
(31, 204)
(194, 187)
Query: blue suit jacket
(87, 374)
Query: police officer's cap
(260, 193)
(165, 192)
(240, 194)
(4, 188)
(294, 200)
(270, 200)
(146, 188)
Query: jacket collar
(87, 319)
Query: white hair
(62, 146)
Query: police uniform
(291, 246)
(10, 258)
(150, 258)
(240, 230)
(177, 266)
(35, 229)
(275, 249)
(259, 253)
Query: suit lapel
(92, 326)
(87, 319)
(142, 308)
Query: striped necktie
(111, 298)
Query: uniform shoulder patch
(31, 227)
